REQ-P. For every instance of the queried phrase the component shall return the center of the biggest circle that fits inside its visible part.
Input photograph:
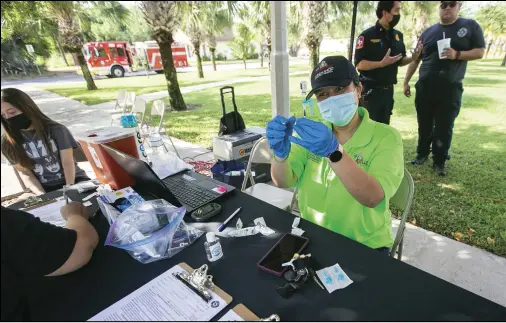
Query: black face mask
(19, 122)
(395, 21)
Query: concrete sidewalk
(109, 106)
(471, 268)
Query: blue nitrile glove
(279, 129)
(315, 137)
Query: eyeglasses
(450, 4)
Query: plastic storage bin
(105, 167)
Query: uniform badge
(360, 42)
(375, 40)
(462, 32)
(397, 37)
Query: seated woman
(38, 147)
(346, 168)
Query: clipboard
(226, 297)
(245, 313)
(40, 204)
(166, 285)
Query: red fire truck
(114, 58)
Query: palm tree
(241, 45)
(262, 23)
(161, 17)
(294, 26)
(66, 14)
(216, 20)
(73, 24)
(313, 27)
(193, 26)
(203, 20)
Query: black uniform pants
(379, 102)
(437, 105)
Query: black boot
(419, 160)
(440, 169)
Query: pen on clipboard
(224, 224)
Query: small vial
(213, 247)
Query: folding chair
(121, 100)
(128, 100)
(139, 108)
(403, 200)
(158, 109)
(280, 198)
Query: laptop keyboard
(191, 195)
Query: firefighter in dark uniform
(379, 52)
(439, 87)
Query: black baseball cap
(332, 71)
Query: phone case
(283, 271)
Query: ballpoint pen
(224, 224)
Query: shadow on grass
(483, 81)
(471, 196)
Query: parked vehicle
(115, 58)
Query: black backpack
(230, 122)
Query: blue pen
(224, 224)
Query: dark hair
(383, 5)
(12, 139)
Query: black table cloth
(384, 288)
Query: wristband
(458, 55)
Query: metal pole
(279, 60)
(352, 36)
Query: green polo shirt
(323, 199)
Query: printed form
(50, 213)
(165, 298)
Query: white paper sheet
(231, 316)
(168, 164)
(165, 298)
(50, 213)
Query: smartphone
(282, 252)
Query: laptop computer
(185, 188)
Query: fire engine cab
(114, 58)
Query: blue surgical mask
(339, 109)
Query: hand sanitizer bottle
(213, 247)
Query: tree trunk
(79, 57)
(196, 51)
(504, 61)
(213, 57)
(314, 50)
(244, 61)
(176, 100)
(261, 57)
(62, 53)
(488, 48)
(269, 50)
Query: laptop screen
(145, 179)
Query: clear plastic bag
(151, 231)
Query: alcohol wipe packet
(333, 278)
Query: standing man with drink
(379, 52)
(439, 88)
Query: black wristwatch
(336, 155)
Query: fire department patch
(360, 42)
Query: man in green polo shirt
(346, 168)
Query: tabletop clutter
(151, 230)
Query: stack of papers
(165, 298)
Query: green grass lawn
(108, 88)
(468, 202)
